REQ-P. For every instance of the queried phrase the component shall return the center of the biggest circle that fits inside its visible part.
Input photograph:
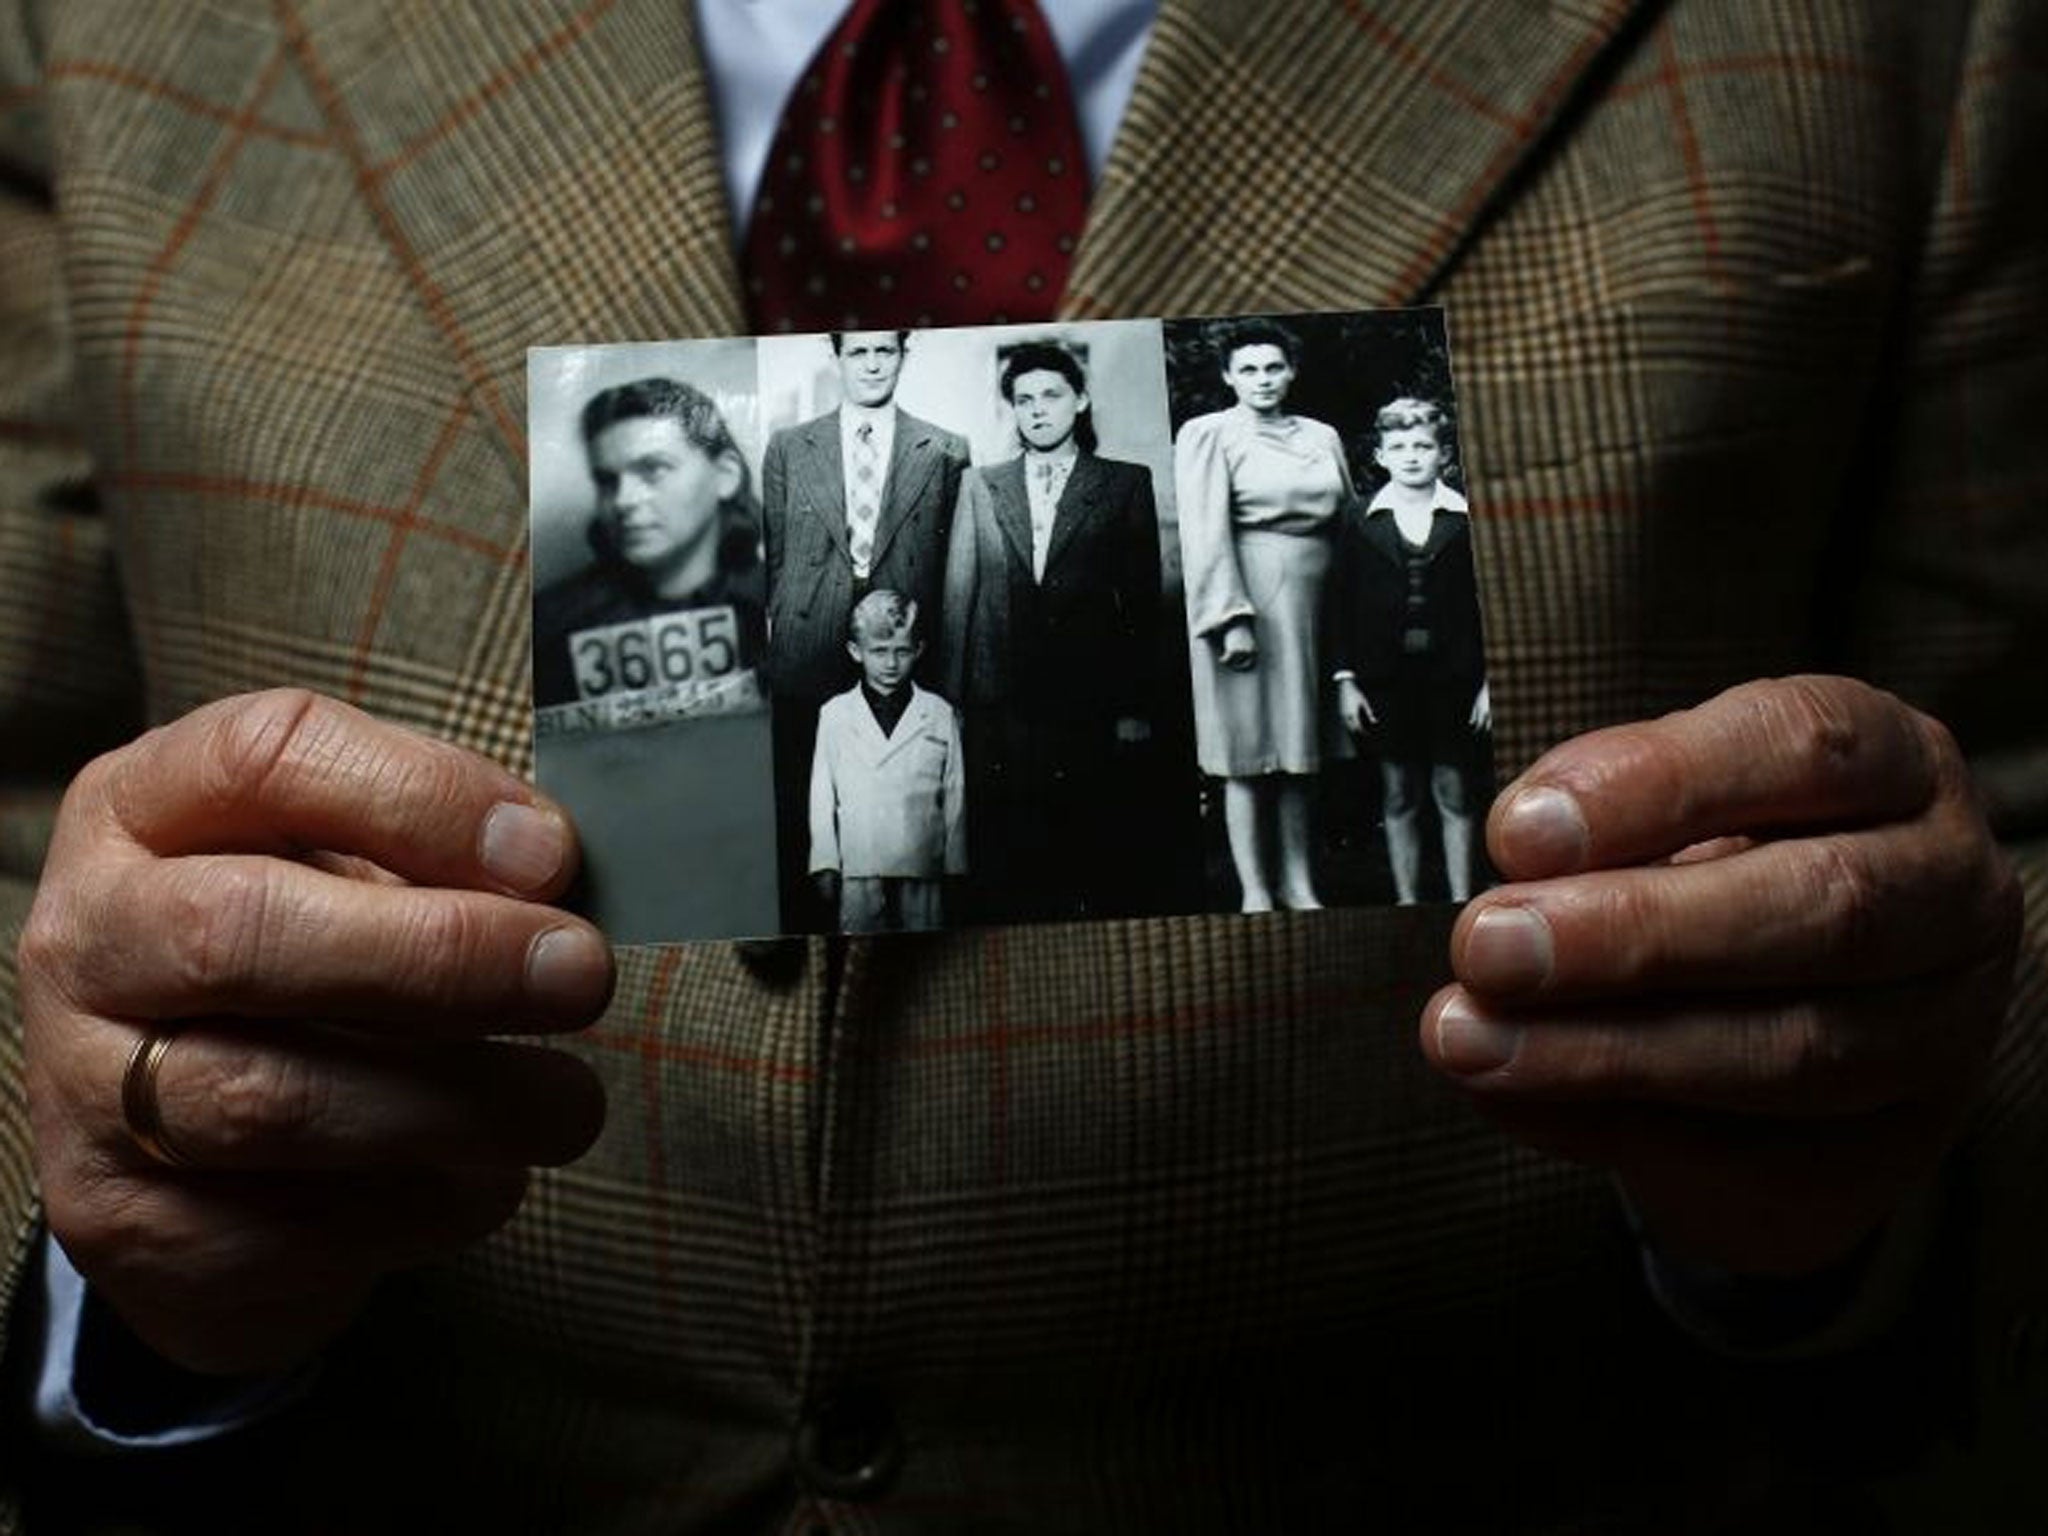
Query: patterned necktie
(863, 499)
(928, 170)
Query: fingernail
(1544, 833)
(1468, 1044)
(568, 970)
(522, 847)
(1508, 950)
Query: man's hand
(1754, 963)
(334, 912)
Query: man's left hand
(1753, 961)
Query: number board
(646, 671)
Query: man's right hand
(333, 912)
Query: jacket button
(848, 1447)
(772, 962)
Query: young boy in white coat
(888, 794)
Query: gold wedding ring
(139, 1108)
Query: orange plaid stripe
(240, 121)
(529, 62)
(370, 182)
(238, 126)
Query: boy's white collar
(1446, 499)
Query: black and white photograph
(968, 604)
(858, 487)
(1342, 718)
(649, 627)
(885, 631)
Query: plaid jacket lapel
(1429, 108)
(1243, 181)
(577, 134)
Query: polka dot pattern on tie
(928, 170)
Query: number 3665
(688, 647)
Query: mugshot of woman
(677, 527)
(1258, 489)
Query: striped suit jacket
(1147, 1226)
(810, 568)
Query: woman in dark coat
(1051, 612)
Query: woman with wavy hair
(677, 527)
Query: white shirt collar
(1446, 499)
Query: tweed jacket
(1142, 1226)
(810, 568)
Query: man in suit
(1184, 1224)
(1051, 606)
(856, 500)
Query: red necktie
(928, 170)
